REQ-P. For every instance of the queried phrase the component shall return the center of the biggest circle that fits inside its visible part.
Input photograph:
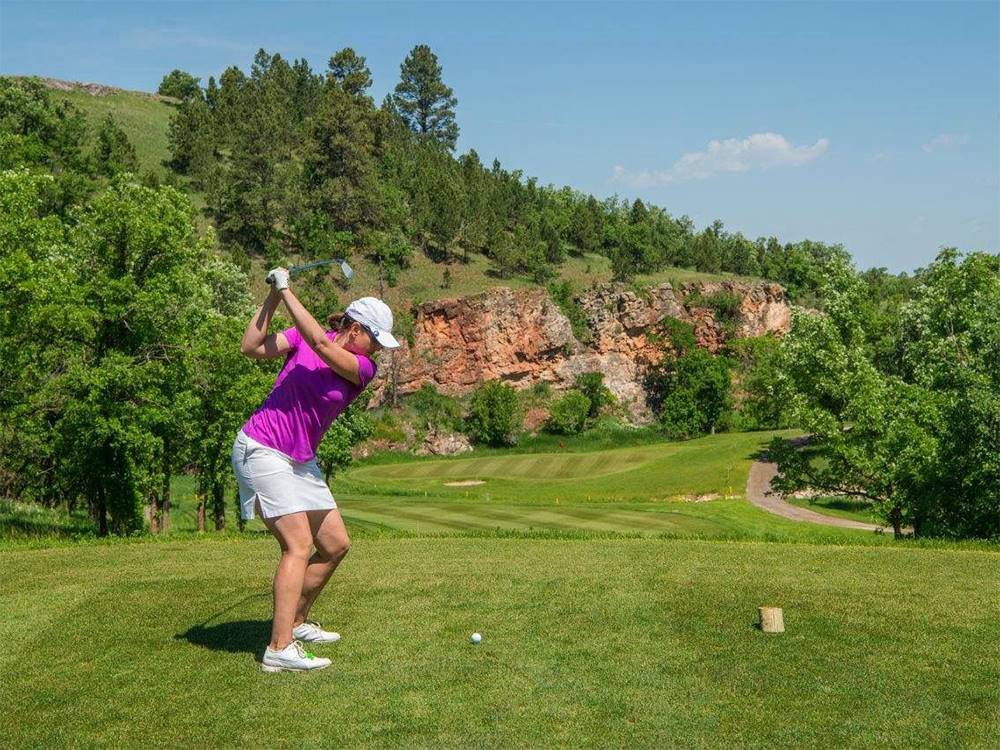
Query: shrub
(353, 426)
(561, 293)
(494, 416)
(386, 426)
(591, 385)
(681, 417)
(541, 390)
(679, 334)
(725, 305)
(435, 408)
(758, 372)
(568, 415)
(706, 387)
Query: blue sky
(874, 125)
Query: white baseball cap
(375, 315)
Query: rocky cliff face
(522, 337)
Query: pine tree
(638, 214)
(226, 103)
(587, 227)
(212, 93)
(341, 171)
(262, 135)
(190, 137)
(349, 70)
(308, 87)
(114, 151)
(424, 101)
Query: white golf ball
(476, 638)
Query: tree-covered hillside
(295, 162)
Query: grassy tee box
(590, 642)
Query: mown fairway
(587, 642)
(693, 488)
(663, 471)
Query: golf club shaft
(346, 269)
(314, 264)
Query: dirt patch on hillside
(98, 89)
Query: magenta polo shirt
(306, 398)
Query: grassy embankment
(693, 488)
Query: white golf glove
(278, 278)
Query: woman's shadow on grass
(238, 636)
(234, 636)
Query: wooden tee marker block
(771, 620)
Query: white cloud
(757, 151)
(944, 140)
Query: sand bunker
(465, 483)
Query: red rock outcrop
(522, 337)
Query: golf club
(344, 267)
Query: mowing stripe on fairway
(417, 516)
(526, 466)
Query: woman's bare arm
(341, 361)
(257, 342)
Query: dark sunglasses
(369, 331)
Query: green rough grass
(143, 118)
(841, 507)
(587, 643)
(422, 281)
(20, 521)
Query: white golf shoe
(312, 632)
(292, 658)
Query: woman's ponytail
(337, 321)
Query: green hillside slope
(143, 117)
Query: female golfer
(274, 455)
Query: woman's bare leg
(295, 537)
(332, 545)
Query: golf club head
(348, 271)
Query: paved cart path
(759, 493)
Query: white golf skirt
(281, 484)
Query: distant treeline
(292, 160)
